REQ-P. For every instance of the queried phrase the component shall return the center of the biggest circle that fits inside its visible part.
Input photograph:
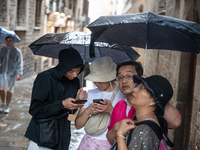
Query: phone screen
(80, 101)
(97, 101)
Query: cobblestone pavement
(14, 124)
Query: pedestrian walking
(53, 94)
(11, 69)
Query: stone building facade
(62, 16)
(25, 17)
(181, 68)
(30, 19)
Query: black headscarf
(68, 59)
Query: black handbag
(47, 131)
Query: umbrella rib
(111, 23)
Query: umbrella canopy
(50, 45)
(4, 33)
(147, 30)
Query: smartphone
(79, 101)
(97, 101)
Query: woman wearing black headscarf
(52, 95)
(149, 98)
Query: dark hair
(80, 66)
(163, 124)
(138, 66)
(9, 37)
(161, 120)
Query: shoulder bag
(47, 131)
(98, 123)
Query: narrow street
(14, 124)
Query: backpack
(165, 143)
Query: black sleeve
(40, 106)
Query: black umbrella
(147, 30)
(50, 45)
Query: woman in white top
(103, 74)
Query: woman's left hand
(105, 106)
(81, 94)
(125, 126)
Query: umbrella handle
(92, 40)
(145, 57)
(83, 62)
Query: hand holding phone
(79, 101)
(98, 101)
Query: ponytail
(161, 120)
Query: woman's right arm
(82, 117)
(125, 126)
(84, 114)
(121, 144)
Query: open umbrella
(4, 33)
(147, 30)
(50, 45)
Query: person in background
(103, 74)
(53, 94)
(124, 110)
(11, 69)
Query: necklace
(111, 88)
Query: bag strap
(130, 133)
(49, 119)
(62, 115)
(129, 137)
(115, 91)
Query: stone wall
(181, 69)
(189, 10)
(194, 143)
(192, 12)
(21, 19)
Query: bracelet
(119, 136)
